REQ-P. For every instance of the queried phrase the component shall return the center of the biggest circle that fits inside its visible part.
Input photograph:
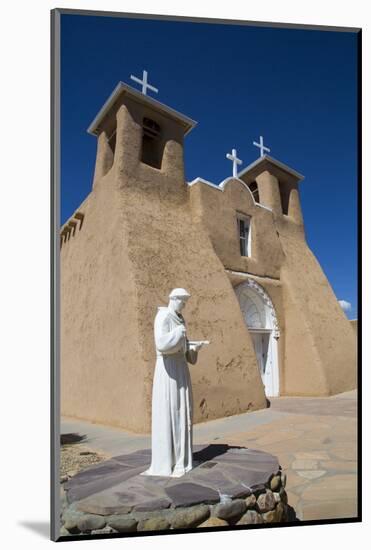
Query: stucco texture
(144, 232)
(139, 241)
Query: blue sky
(297, 88)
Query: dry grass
(76, 457)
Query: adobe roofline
(123, 88)
(271, 160)
(222, 186)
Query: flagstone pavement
(315, 440)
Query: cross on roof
(144, 83)
(235, 160)
(261, 146)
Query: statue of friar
(172, 390)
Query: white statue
(172, 390)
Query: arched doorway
(260, 318)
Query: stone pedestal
(228, 486)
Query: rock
(63, 500)
(283, 479)
(275, 483)
(89, 522)
(152, 505)
(70, 519)
(214, 522)
(277, 497)
(259, 490)
(153, 524)
(139, 516)
(64, 479)
(190, 517)
(105, 531)
(85, 453)
(250, 501)
(72, 473)
(230, 510)
(63, 532)
(266, 502)
(239, 491)
(96, 504)
(122, 524)
(283, 495)
(186, 493)
(269, 517)
(280, 512)
(251, 517)
(72, 529)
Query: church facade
(258, 293)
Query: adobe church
(257, 291)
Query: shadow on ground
(291, 515)
(42, 528)
(212, 451)
(69, 439)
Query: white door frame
(265, 321)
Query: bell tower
(138, 138)
(275, 186)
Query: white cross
(235, 160)
(144, 83)
(261, 146)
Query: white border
(25, 272)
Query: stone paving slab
(116, 485)
(188, 494)
(317, 406)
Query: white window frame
(247, 239)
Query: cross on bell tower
(261, 146)
(144, 83)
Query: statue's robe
(171, 398)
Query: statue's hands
(195, 347)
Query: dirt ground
(76, 457)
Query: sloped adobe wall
(320, 356)
(99, 336)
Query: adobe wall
(216, 210)
(320, 345)
(98, 318)
(316, 346)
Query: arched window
(112, 141)
(151, 143)
(253, 186)
(244, 234)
